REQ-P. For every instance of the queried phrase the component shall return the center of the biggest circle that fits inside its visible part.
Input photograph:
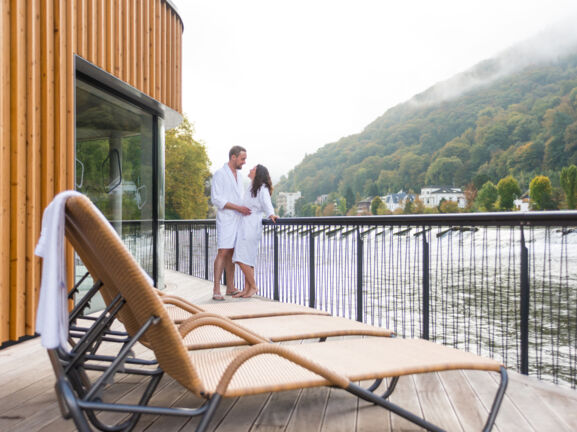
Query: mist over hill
(513, 114)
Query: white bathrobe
(250, 231)
(225, 188)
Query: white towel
(52, 316)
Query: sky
(284, 78)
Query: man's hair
(235, 151)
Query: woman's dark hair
(261, 177)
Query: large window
(116, 155)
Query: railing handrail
(536, 218)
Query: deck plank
(277, 412)
(309, 410)
(340, 414)
(371, 416)
(468, 407)
(243, 414)
(405, 395)
(436, 406)
(533, 403)
(509, 418)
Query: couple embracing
(239, 221)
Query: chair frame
(75, 399)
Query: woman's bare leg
(250, 287)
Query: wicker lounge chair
(261, 367)
(274, 326)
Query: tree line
(187, 172)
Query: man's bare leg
(223, 257)
(229, 267)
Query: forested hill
(521, 121)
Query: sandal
(217, 297)
(233, 293)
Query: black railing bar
(537, 218)
(403, 231)
(334, 231)
(563, 218)
(368, 230)
(383, 230)
(350, 231)
(424, 231)
(314, 230)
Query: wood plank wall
(138, 41)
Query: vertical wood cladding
(138, 41)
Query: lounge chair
(261, 367)
(268, 320)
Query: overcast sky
(283, 78)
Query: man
(227, 193)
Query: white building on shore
(397, 200)
(432, 196)
(287, 201)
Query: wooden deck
(457, 401)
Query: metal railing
(503, 285)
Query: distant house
(432, 196)
(397, 200)
(287, 201)
(523, 203)
(321, 199)
(364, 206)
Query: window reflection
(114, 166)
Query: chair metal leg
(131, 421)
(497, 401)
(375, 385)
(207, 417)
(69, 405)
(391, 387)
(371, 397)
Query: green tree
(442, 170)
(448, 207)
(569, 185)
(526, 157)
(375, 203)
(299, 203)
(458, 148)
(554, 153)
(341, 206)
(349, 197)
(411, 170)
(496, 137)
(509, 190)
(487, 196)
(308, 210)
(409, 207)
(541, 193)
(187, 172)
(571, 142)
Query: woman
(250, 230)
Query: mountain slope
(503, 116)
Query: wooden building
(87, 88)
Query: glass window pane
(114, 166)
